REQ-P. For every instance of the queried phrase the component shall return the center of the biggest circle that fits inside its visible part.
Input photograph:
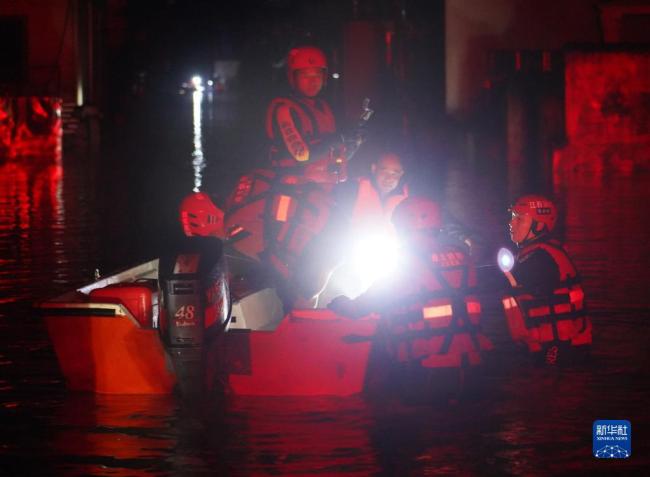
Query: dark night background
(486, 99)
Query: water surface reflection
(58, 223)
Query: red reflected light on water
(114, 435)
(30, 195)
(30, 203)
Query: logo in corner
(612, 439)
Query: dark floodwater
(59, 223)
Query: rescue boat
(170, 323)
(106, 337)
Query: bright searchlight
(374, 256)
(197, 82)
(370, 257)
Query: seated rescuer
(545, 309)
(368, 203)
(361, 227)
(371, 199)
(427, 306)
(364, 210)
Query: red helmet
(417, 213)
(304, 57)
(199, 216)
(540, 208)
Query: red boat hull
(311, 352)
(106, 342)
(109, 354)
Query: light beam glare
(505, 259)
(198, 161)
(374, 256)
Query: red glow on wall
(607, 97)
(30, 126)
(607, 110)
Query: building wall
(50, 46)
(476, 27)
(607, 112)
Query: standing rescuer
(546, 309)
(275, 213)
(428, 306)
(301, 127)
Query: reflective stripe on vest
(267, 209)
(295, 124)
(438, 311)
(473, 307)
(298, 215)
(282, 206)
(444, 329)
(441, 315)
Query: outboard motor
(195, 306)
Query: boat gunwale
(79, 304)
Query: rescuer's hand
(342, 305)
(353, 141)
(359, 136)
(356, 137)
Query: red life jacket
(270, 217)
(295, 126)
(559, 316)
(369, 210)
(441, 327)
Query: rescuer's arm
(454, 230)
(353, 140)
(537, 273)
(386, 294)
(358, 135)
(490, 279)
(363, 305)
(328, 144)
(287, 124)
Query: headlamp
(505, 259)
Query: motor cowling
(195, 305)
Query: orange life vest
(559, 316)
(441, 327)
(296, 126)
(370, 210)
